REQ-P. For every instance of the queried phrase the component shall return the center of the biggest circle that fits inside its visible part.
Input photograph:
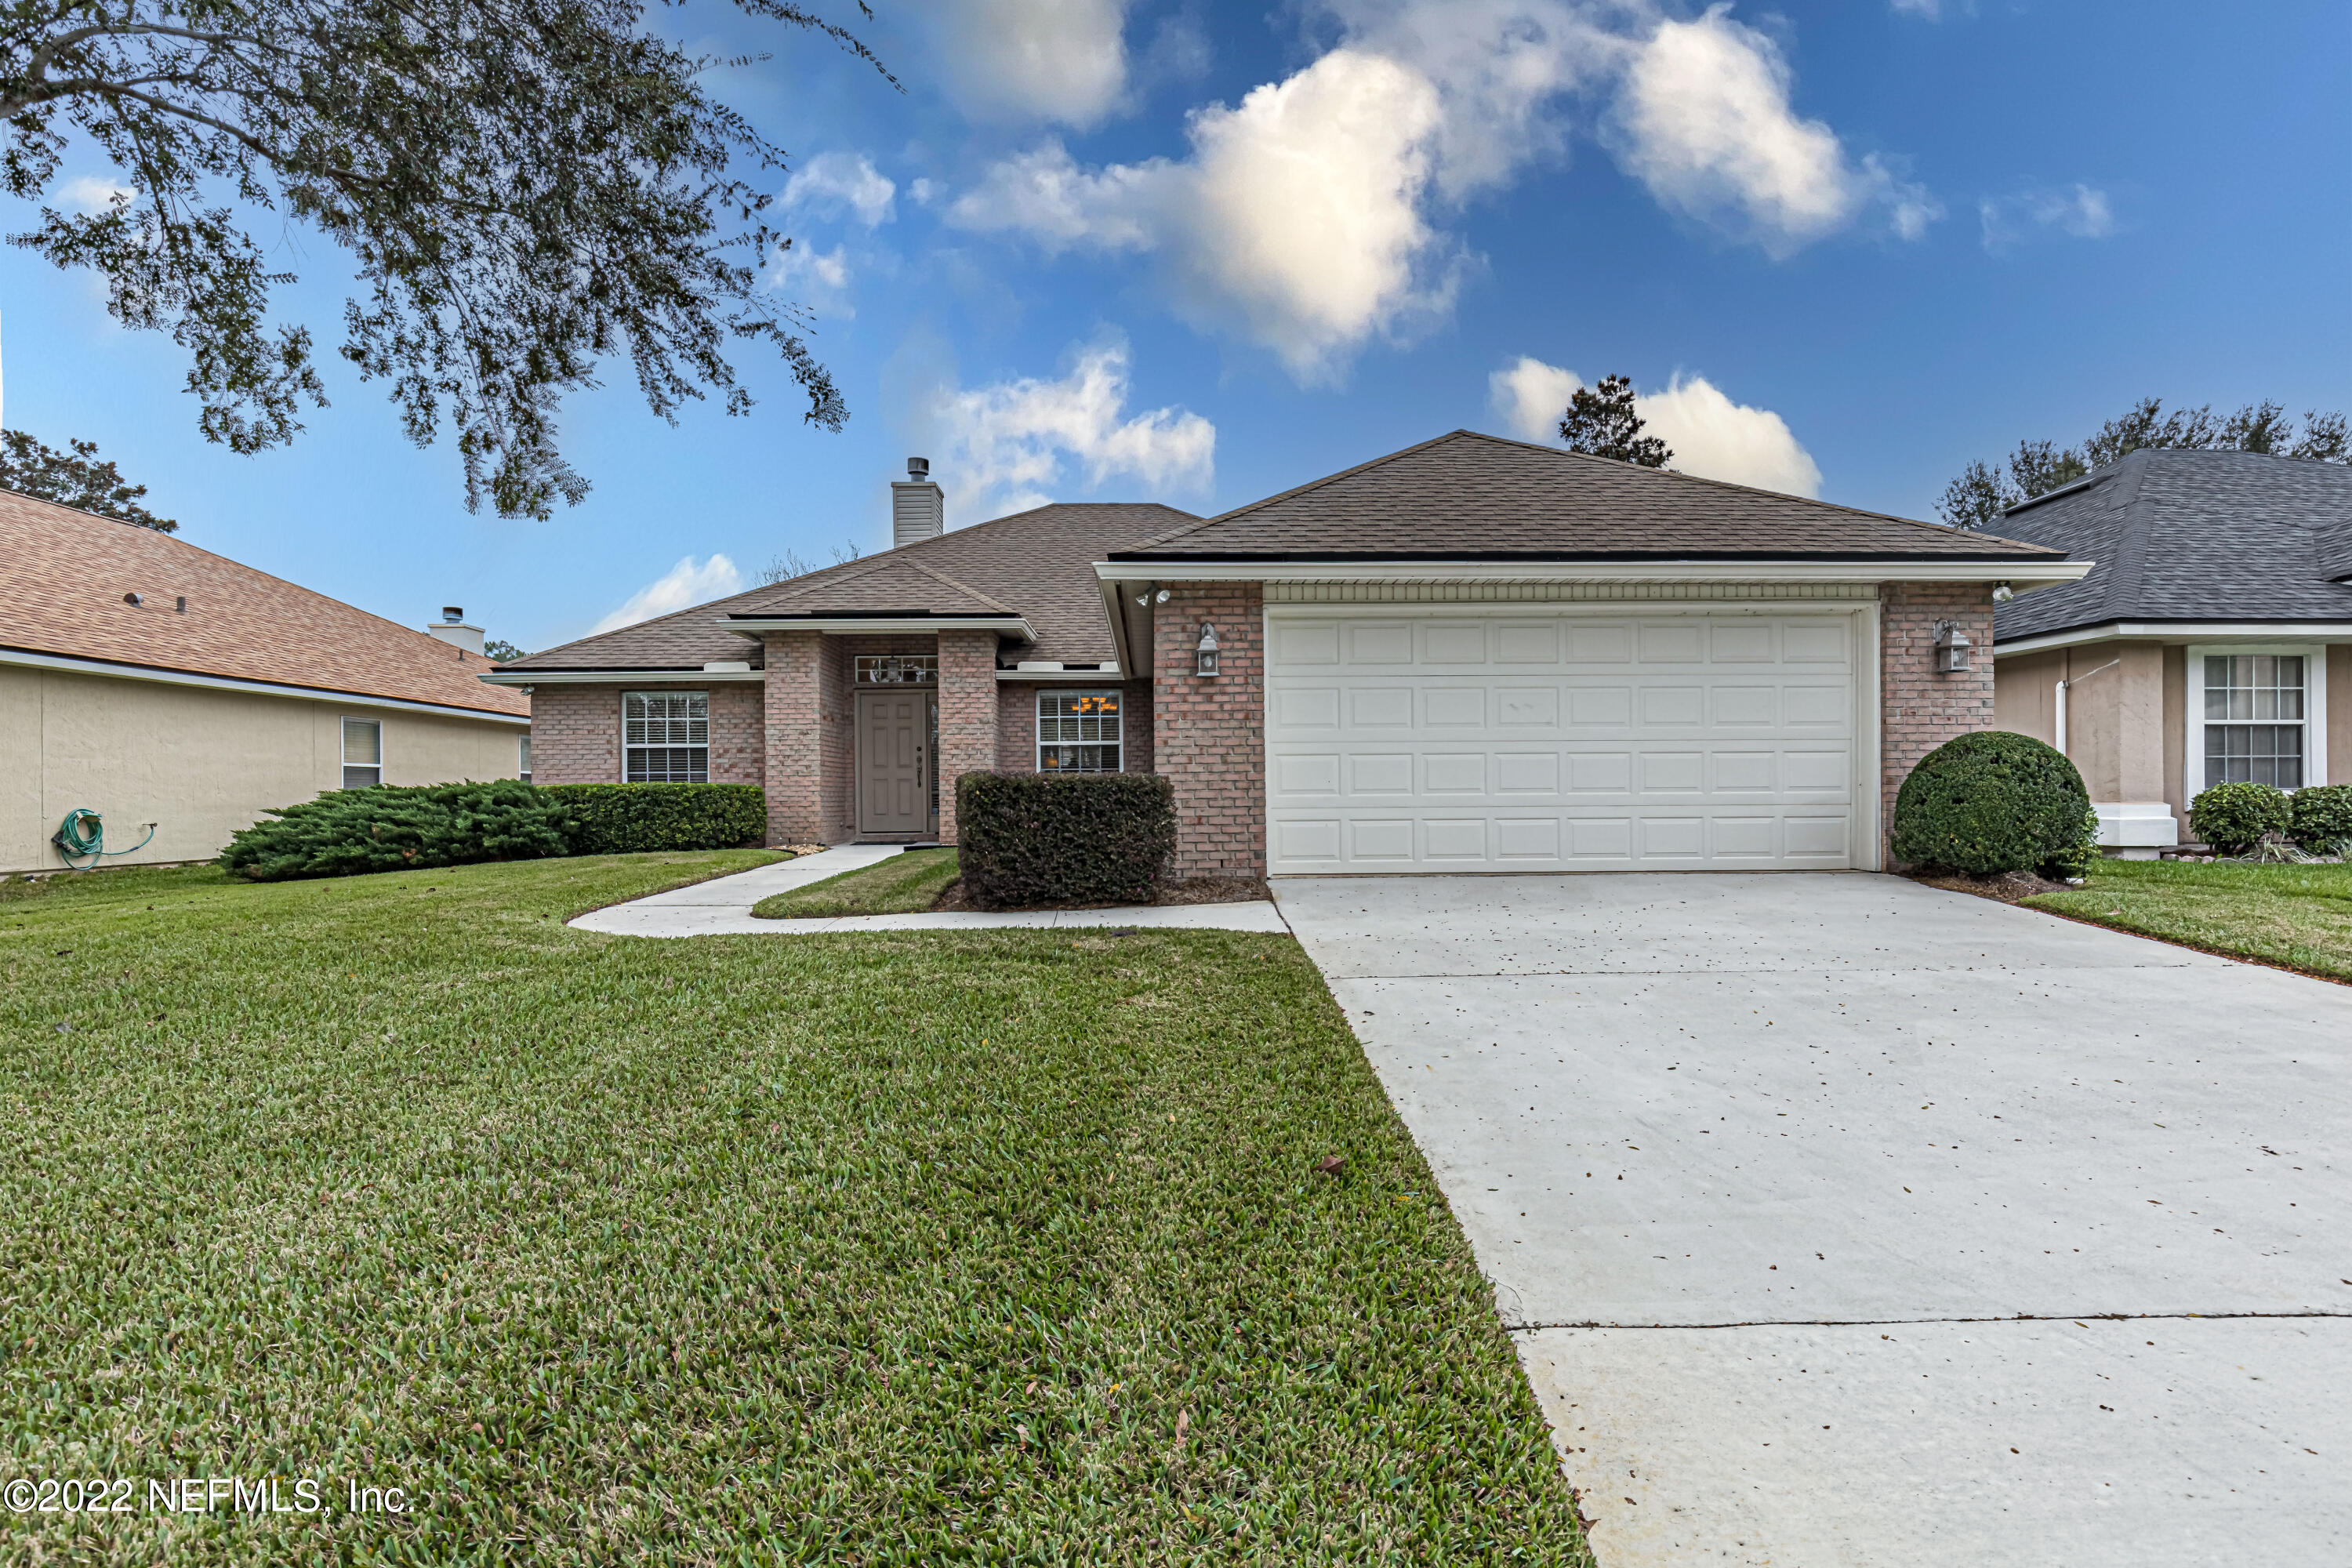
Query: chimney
(451, 628)
(917, 510)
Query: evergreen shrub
(2233, 817)
(632, 818)
(399, 827)
(1993, 802)
(2321, 818)
(1025, 839)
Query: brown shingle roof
(67, 572)
(1038, 564)
(1468, 497)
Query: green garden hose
(72, 839)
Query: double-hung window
(666, 737)
(2256, 717)
(363, 753)
(1078, 733)
(522, 759)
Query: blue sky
(1203, 252)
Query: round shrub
(1994, 802)
(2233, 817)
(2322, 818)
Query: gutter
(2022, 574)
(2178, 631)
(69, 664)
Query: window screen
(2254, 719)
(1078, 733)
(363, 753)
(666, 737)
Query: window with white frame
(2257, 718)
(1078, 733)
(363, 753)
(666, 737)
(522, 759)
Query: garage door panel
(1671, 740)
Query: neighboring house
(151, 681)
(2212, 643)
(1473, 655)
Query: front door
(893, 729)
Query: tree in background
(1600, 420)
(526, 187)
(501, 651)
(75, 479)
(792, 564)
(1983, 492)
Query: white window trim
(522, 758)
(342, 748)
(1037, 715)
(643, 691)
(2315, 707)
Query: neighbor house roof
(1035, 566)
(2191, 536)
(62, 596)
(1468, 497)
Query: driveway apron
(1840, 1220)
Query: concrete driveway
(1840, 1220)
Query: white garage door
(1541, 738)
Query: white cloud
(2080, 211)
(1058, 60)
(1009, 446)
(1704, 120)
(817, 279)
(94, 193)
(832, 183)
(1297, 219)
(1314, 216)
(684, 585)
(1531, 395)
(1710, 435)
(1717, 438)
(1933, 10)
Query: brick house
(1473, 655)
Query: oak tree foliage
(74, 477)
(1982, 492)
(527, 189)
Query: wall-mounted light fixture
(1161, 595)
(2002, 593)
(1206, 654)
(1951, 648)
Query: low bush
(630, 819)
(1994, 802)
(2321, 818)
(2233, 817)
(397, 827)
(1025, 839)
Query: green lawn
(901, 885)
(989, 1247)
(2296, 915)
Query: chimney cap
(918, 469)
(453, 612)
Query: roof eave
(563, 677)
(2144, 630)
(2023, 573)
(885, 621)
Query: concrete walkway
(722, 906)
(1845, 1221)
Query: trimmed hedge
(629, 819)
(2233, 817)
(399, 827)
(1025, 840)
(1993, 802)
(2322, 818)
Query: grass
(989, 1247)
(2299, 916)
(904, 884)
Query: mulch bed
(2007, 886)
(1190, 890)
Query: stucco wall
(199, 763)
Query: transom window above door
(666, 737)
(2255, 719)
(1078, 733)
(898, 670)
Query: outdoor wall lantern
(1207, 652)
(1951, 648)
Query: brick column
(1920, 709)
(1208, 733)
(967, 715)
(795, 729)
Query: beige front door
(893, 777)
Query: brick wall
(1209, 732)
(968, 715)
(575, 731)
(794, 737)
(1919, 709)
